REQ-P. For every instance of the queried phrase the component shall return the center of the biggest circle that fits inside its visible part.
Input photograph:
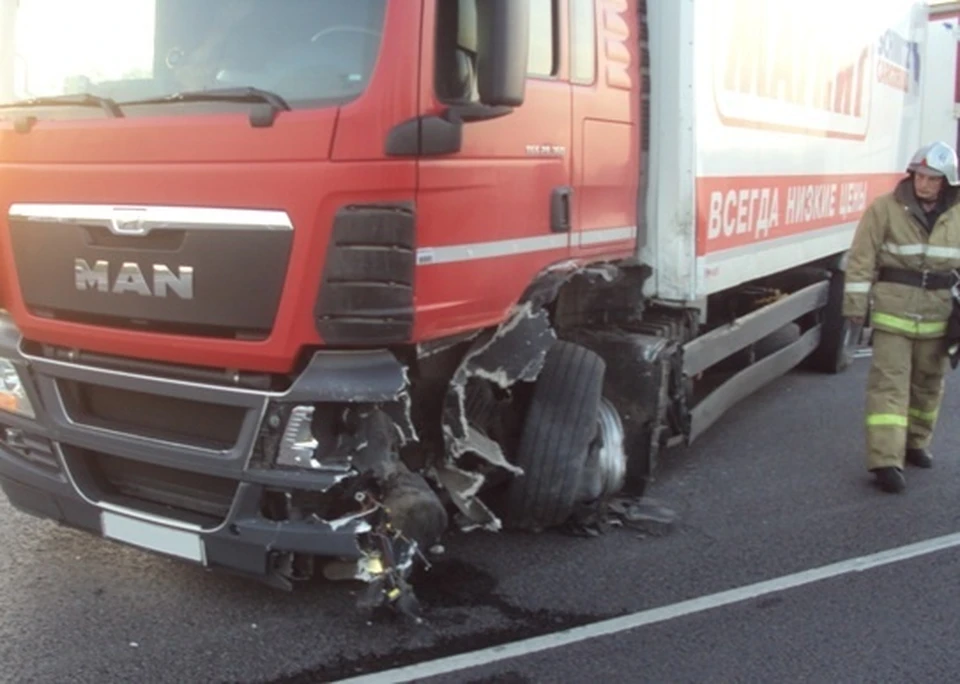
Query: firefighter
(901, 268)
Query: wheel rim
(612, 459)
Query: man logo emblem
(130, 278)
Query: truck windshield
(308, 52)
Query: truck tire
(561, 423)
(839, 337)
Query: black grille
(182, 421)
(203, 374)
(366, 296)
(122, 480)
(229, 280)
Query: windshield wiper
(73, 100)
(258, 117)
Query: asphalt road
(776, 488)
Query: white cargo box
(773, 125)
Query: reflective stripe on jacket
(893, 233)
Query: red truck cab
(254, 275)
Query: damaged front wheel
(556, 438)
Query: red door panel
(603, 73)
(483, 213)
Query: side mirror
(503, 44)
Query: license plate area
(169, 541)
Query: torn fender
(513, 352)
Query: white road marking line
(525, 647)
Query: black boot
(890, 479)
(920, 458)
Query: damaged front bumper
(220, 474)
(244, 543)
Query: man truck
(296, 287)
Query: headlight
(13, 397)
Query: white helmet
(938, 157)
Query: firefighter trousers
(904, 389)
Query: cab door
(497, 211)
(606, 92)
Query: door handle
(560, 209)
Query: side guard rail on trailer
(705, 351)
(749, 380)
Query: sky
(57, 50)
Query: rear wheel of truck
(560, 427)
(839, 338)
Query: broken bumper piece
(363, 547)
(223, 474)
(246, 543)
(360, 547)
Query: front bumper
(104, 455)
(250, 546)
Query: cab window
(455, 79)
